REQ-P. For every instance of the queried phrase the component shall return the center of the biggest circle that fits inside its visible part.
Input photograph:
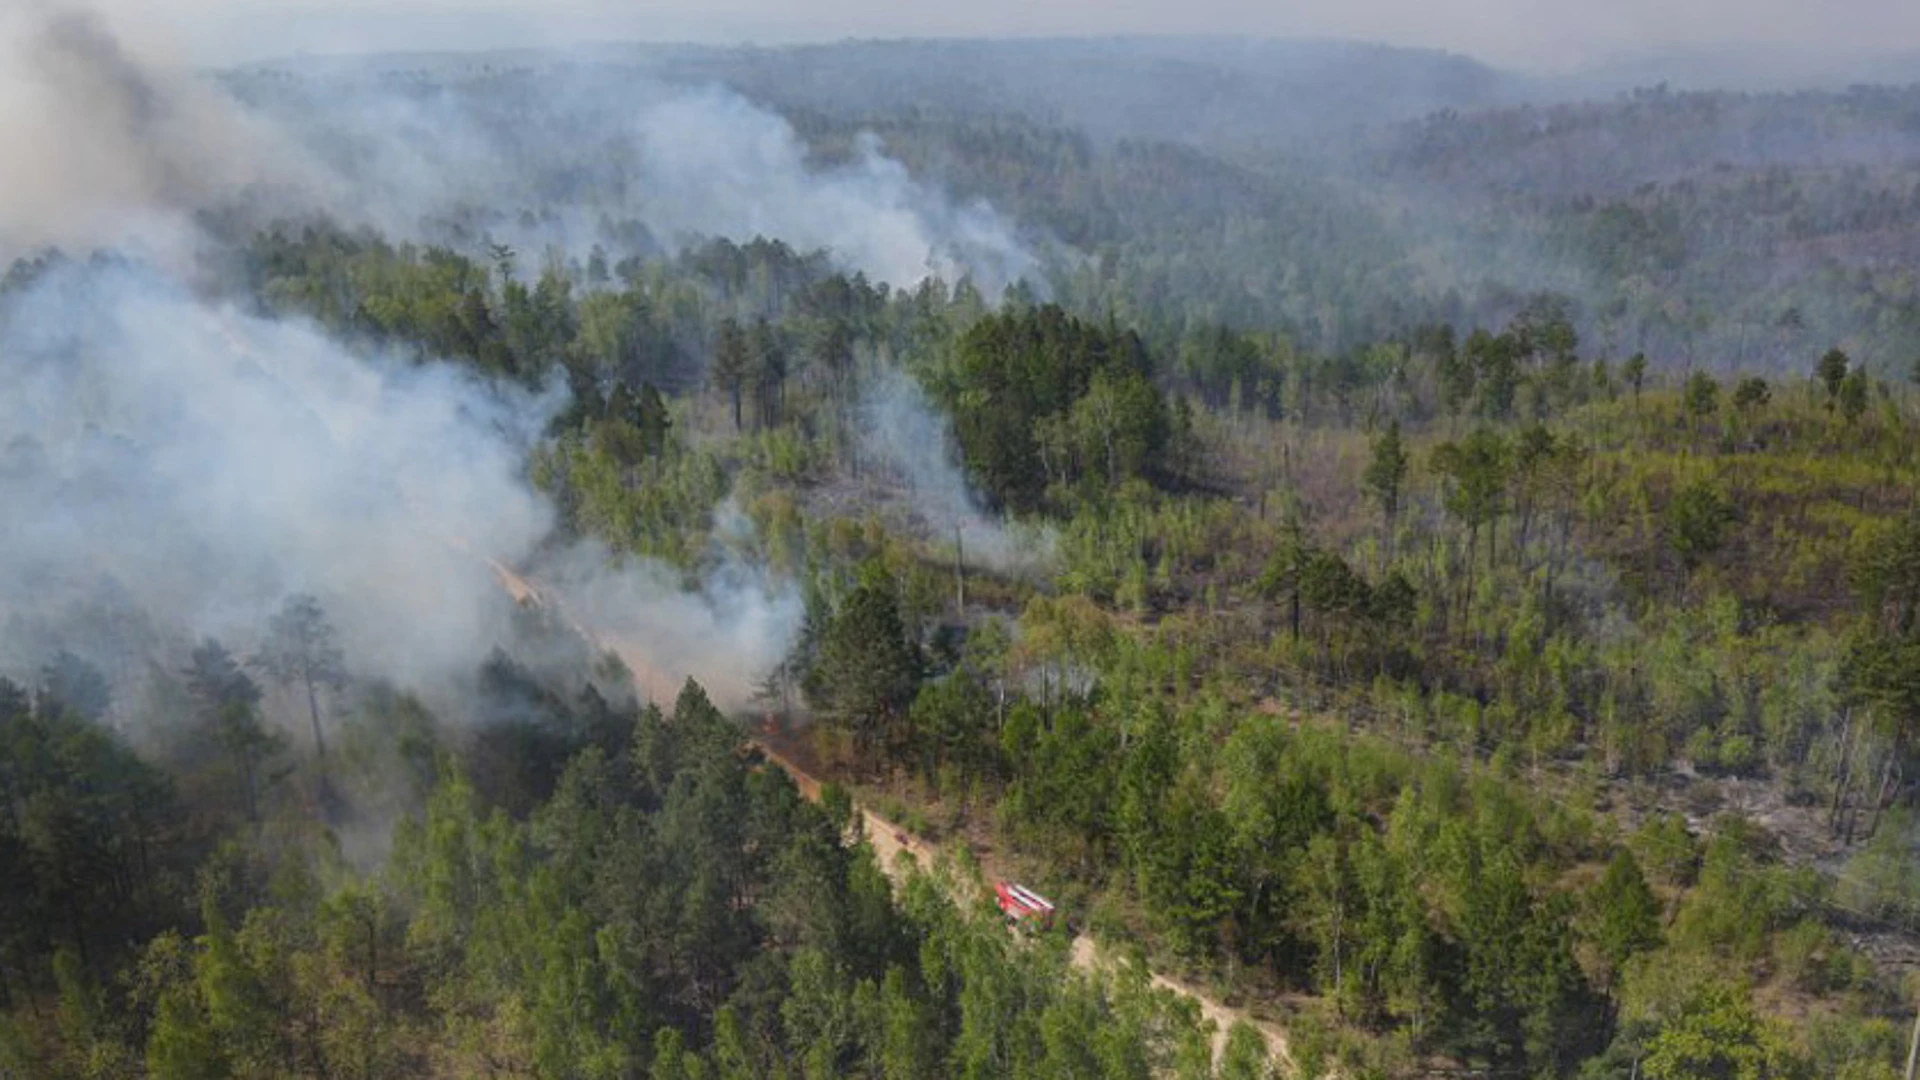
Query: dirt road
(1086, 954)
(891, 841)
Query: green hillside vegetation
(1516, 682)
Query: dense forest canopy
(1428, 583)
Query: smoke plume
(902, 433)
(106, 149)
(179, 466)
(561, 157)
(718, 165)
(208, 464)
(109, 147)
(729, 632)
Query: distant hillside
(1706, 228)
(1735, 67)
(1209, 91)
(1657, 136)
(1205, 91)
(1329, 191)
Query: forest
(1473, 640)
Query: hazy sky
(1522, 33)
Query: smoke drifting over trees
(109, 143)
(193, 458)
(209, 463)
(385, 442)
(102, 145)
(902, 434)
(577, 158)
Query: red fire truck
(1023, 905)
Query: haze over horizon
(1526, 35)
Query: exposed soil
(890, 842)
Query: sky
(1525, 34)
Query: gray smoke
(178, 467)
(560, 157)
(902, 434)
(208, 464)
(728, 632)
(106, 149)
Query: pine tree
(300, 651)
(869, 670)
(1384, 476)
(731, 365)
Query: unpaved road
(1086, 954)
(890, 842)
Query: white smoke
(196, 464)
(712, 163)
(211, 463)
(106, 146)
(727, 633)
(553, 158)
(105, 149)
(902, 433)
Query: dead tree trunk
(1845, 779)
(1884, 793)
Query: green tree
(1702, 398)
(181, 1044)
(76, 685)
(1635, 372)
(832, 350)
(1832, 373)
(1016, 395)
(1880, 668)
(300, 651)
(1854, 393)
(1698, 519)
(1120, 422)
(228, 705)
(818, 1016)
(905, 1044)
(869, 669)
(1286, 572)
(1385, 474)
(240, 1007)
(1751, 395)
(654, 420)
(732, 367)
(87, 1041)
(1536, 453)
(1477, 471)
(768, 363)
(1327, 910)
(1623, 915)
(1718, 1036)
(1457, 375)
(1496, 362)
(1245, 1056)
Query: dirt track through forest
(890, 842)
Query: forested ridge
(1332, 194)
(1514, 683)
